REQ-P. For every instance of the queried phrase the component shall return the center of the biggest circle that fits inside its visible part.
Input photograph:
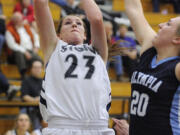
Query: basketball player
(155, 93)
(76, 95)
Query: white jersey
(13, 132)
(37, 132)
(76, 85)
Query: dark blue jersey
(155, 97)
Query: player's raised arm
(98, 37)
(144, 33)
(46, 27)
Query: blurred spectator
(5, 87)
(30, 90)
(129, 53)
(22, 125)
(23, 41)
(109, 31)
(26, 9)
(117, 62)
(2, 27)
(176, 5)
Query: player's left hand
(121, 127)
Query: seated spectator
(109, 31)
(2, 27)
(129, 53)
(26, 9)
(5, 87)
(117, 61)
(23, 41)
(30, 90)
(22, 125)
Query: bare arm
(28, 98)
(144, 33)
(98, 36)
(48, 37)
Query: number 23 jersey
(155, 97)
(76, 84)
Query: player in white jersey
(76, 92)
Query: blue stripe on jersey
(43, 101)
(46, 64)
(108, 107)
(109, 104)
(175, 113)
(154, 64)
(43, 90)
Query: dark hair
(59, 26)
(17, 118)
(61, 21)
(34, 60)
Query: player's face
(72, 30)
(167, 32)
(23, 122)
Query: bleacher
(7, 114)
(120, 90)
(153, 18)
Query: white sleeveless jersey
(76, 84)
(13, 132)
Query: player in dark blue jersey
(155, 97)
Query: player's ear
(85, 36)
(59, 36)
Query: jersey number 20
(69, 73)
(139, 103)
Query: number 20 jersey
(155, 97)
(76, 84)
